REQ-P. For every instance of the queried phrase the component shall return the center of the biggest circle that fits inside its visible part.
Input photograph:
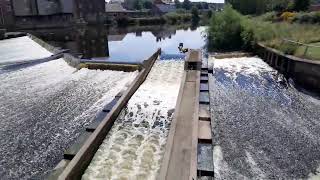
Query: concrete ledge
(204, 132)
(93, 126)
(231, 55)
(204, 112)
(205, 160)
(82, 159)
(112, 66)
(204, 98)
(111, 104)
(73, 150)
(180, 158)
(204, 87)
(54, 174)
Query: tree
(195, 14)
(177, 3)
(147, 4)
(137, 4)
(186, 4)
(301, 5)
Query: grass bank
(229, 30)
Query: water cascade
(44, 108)
(264, 128)
(21, 49)
(134, 147)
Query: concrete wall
(304, 72)
(66, 6)
(24, 7)
(48, 7)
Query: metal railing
(307, 46)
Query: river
(45, 107)
(264, 128)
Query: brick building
(6, 13)
(92, 11)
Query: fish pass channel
(263, 127)
(134, 147)
(44, 108)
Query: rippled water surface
(263, 127)
(44, 108)
(21, 48)
(135, 146)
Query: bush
(288, 48)
(287, 16)
(174, 17)
(311, 18)
(224, 32)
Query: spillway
(21, 49)
(263, 127)
(44, 108)
(134, 147)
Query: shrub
(225, 30)
(174, 17)
(287, 16)
(311, 18)
(288, 48)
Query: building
(89, 11)
(315, 6)
(48, 7)
(25, 7)
(160, 7)
(6, 13)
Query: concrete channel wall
(305, 73)
(74, 167)
(188, 154)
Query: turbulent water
(135, 146)
(44, 108)
(20, 49)
(263, 127)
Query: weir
(79, 163)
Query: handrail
(302, 44)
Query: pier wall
(304, 72)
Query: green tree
(147, 4)
(301, 5)
(177, 4)
(186, 4)
(138, 4)
(225, 30)
(195, 14)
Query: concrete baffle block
(193, 60)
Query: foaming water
(44, 108)
(19, 49)
(263, 127)
(135, 145)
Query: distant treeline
(262, 6)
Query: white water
(44, 108)
(135, 145)
(20, 49)
(263, 127)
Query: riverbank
(275, 31)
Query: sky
(210, 1)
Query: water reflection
(125, 44)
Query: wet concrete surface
(263, 127)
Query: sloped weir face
(44, 108)
(134, 147)
(263, 127)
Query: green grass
(312, 53)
